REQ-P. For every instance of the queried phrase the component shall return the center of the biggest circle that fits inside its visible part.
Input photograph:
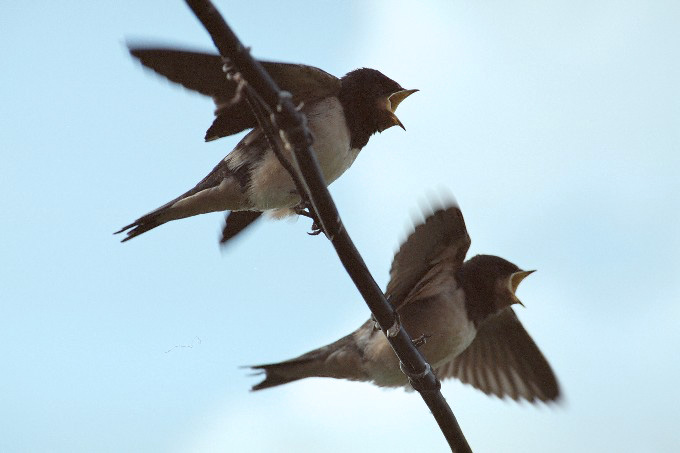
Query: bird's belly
(452, 344)
(445, 326)
(272, 186)
(331, 138)
(450, 328)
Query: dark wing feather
(196, 71)
(307, 84)
(237, 221)
(442, 237)
(203, 73)
(504, 360)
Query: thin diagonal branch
(264, 117)
(292, 125)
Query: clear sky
(555, 124)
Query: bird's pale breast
(441, 318)
(272, 186)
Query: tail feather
(219, 191)
(281, 373)
(148, 221)
(139, 226)
(341, 360)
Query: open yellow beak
(515, 280)
(393, 102)
(396, 98)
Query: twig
(292, 126)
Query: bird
(342, 114)
(459, 313)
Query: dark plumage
(476, 277)
(362, 118)
(236, 222)
(342, 114)
(462, 309)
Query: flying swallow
(460, 313)
(342, 114)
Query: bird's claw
(421, 340)
(305, 210)
(316, 229)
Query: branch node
(284, 96)
(338, 230)
(418, 381)
(396, 326)
(295, 135)
(228, 67)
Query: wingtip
(137, 47)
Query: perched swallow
(342, 114)
(459, 312)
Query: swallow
(460, 313)
(342, 114)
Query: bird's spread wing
(202, 72)
(441, 239)
(504, 360)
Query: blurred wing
(504, 360)
(237, 221)
(307, 84)
(202, 72)
(196, 71)
(441, 239)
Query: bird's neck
(359, 117)
(479, 294)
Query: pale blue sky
(556, 126)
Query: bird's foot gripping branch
(305, 209)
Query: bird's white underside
(271, 188)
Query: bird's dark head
(370, 99)
(490, 284)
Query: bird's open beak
(515, 280)
(396, 98)
(393, 101)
